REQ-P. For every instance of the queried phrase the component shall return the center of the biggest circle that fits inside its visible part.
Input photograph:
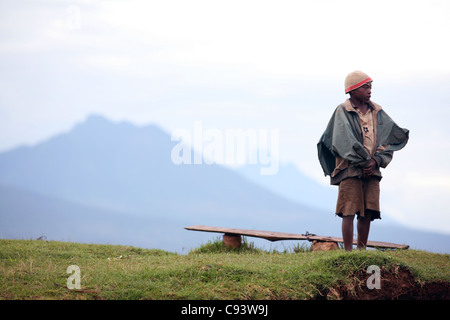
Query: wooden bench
(232, 235)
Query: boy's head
(359, 84)
(356, 79)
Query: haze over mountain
(108, 182)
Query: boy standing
(360, 138)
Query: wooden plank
(277, 236)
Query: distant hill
(291, 184)
(123, 167)
(29, 215)
(115, 183)
(119, 168)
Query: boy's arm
(383, 157)
(379, 160)
(390, 137)
(369, 169)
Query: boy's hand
(370, 168)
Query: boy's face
(363, 93)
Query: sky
(250, 65)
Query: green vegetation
(33, 269)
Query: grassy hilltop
(33, 269)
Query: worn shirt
(368, 125)
(367, 128)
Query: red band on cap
(359, 84)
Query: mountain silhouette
(124, 169)
(114, 182)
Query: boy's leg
(371, 190)
(347, 232)
(350, 202)
(363, 227)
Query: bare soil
(396, 284)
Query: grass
(32, 269)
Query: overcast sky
(237, 64)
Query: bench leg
(232, 240)
(324, 246)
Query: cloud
(419, 201)
(291, 38)
(109, 62)
(441, 182)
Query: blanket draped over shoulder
(343, 137)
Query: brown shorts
(360, 197)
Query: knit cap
(356, 79)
